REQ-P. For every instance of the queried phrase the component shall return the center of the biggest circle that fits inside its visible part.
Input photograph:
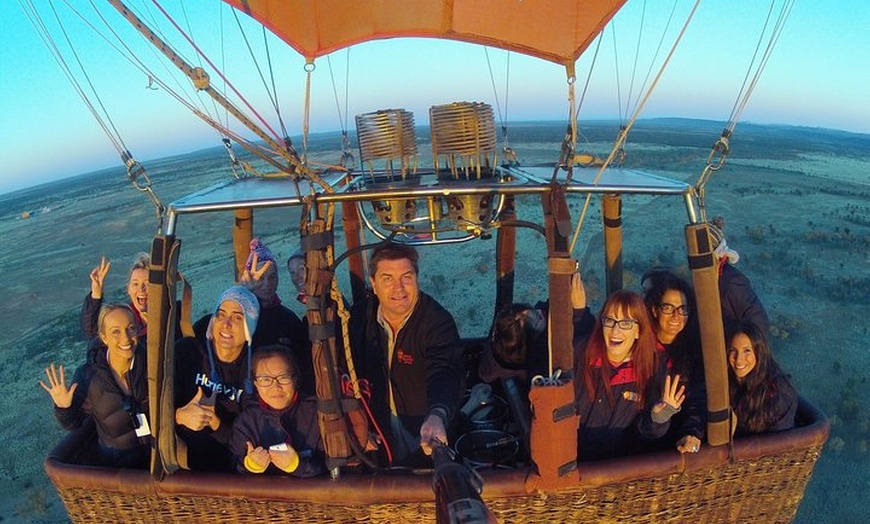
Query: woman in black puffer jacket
(112, 388)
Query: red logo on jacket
(404, 358)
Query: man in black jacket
(407, 345)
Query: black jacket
(692, 417)
(427, 368)
(297, 426)
(782, 402)
(113, 411)
(614, 425)
(739, 301)
(208, 450)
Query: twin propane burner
(464, 154)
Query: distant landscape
(797, 207)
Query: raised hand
(673, 394)
(259, 456)
(255, 273)
(196, 415)
(578, 292)
(61, 395)
(98, 278)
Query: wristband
(252, 466)
(294, 464)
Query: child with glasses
(277, 432)
(670, 301)
(623, 393)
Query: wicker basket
(761, 479)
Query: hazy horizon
(120, 169)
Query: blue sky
(817, 76)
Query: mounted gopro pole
(457, 490)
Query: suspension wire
(198, 58)
(656, 54)
(722, 147)
(237, 167)
(224, 61)
(494, 90)
(636, 58)
(274, 95)
(309, 68)
(136, 173)
(342, 116)
(612, 24)
(588, 77)
(121, 46)
(127, 53)
(347, 160)
(232, 87)
(133, 59)
(623, 133)
(784, 13)
(215, 109)
(510, 156)
(100, 114)
(145, 14)
(346, 85)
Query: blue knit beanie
(243, 297)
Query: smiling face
(118, 332)
(228, 331)
(668, 326)
(619, 342)
(137, 288)
(395, 285)
(276, 371)
(741, 356)
(296, 267)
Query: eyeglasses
(670, 309)
(266, 381)
(624, 324)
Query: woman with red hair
(623, 393)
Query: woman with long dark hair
(670, 301)
(761, 394)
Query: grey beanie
(243, 297)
